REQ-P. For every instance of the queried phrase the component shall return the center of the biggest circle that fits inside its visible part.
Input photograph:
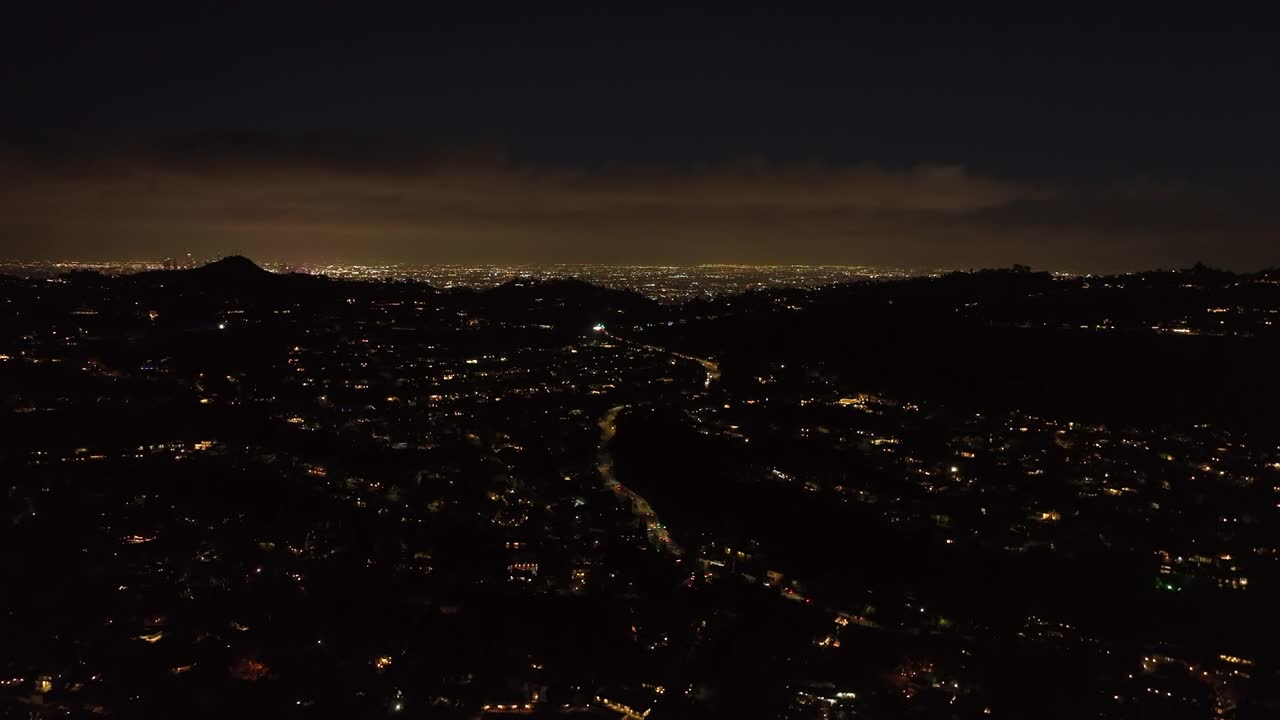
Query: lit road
(711, 367)
(657, 532)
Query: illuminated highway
(658, 534)
(710, 366)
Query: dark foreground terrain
(995, 494)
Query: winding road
(608, 423)
(640, 507)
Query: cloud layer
(333, 202)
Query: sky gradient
(1073, 143)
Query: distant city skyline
(668, 283)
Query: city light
(456, 482)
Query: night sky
(1077, 141)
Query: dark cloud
(328, 198)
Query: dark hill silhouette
(1086, 347)
(567, 303)
(232, 267)
(234, 275)
(570, 292)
